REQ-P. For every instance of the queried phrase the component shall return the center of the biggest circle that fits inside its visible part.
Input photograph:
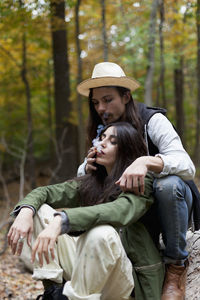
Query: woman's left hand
(46, 240)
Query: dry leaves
(15, 281)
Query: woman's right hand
(21, 228)
(91, 160)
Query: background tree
(151, 54)
(24, 74)
(197, 139)
(65, 132)
(161, 81)
(197, 136)
(81, 131)
(179, 73)
(104, 31)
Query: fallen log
(193, 277)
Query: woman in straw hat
(96, 264)
(110, 100)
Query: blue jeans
(173, 201)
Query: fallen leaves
(15, 281)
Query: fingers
(37, 248)
(92, 151)
(20, 244)
(42, 248)
(9, 236)
(45, 251)
(141, 185)
(29, 238)
(21, 227)
(122, 183)
(14, 240)
(136, 187)
(130, 183)
(51, 248)
(34, 250)
(91, 160)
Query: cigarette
(97, 143)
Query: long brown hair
(99, 187)
(131, 114)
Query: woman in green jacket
(112, 245)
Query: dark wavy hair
(98, 186)
(131, 114)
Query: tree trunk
(65, 132)
(81, 126)
(49, 109)
(179, 99)
(150, 55)
(179, 81)
(30, 151)
(197, 144)
(161, 81)
(104, 35)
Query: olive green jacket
(125, 213)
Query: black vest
(146, 113)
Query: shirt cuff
(81, 170)
(65, 228)
(18, 208)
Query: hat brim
(84, 87)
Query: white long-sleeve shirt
(176, 160)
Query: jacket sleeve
(60, 195)
(126, 209)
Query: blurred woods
(48, 47)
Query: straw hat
(107, 74)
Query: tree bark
(197, 139)
(104, 35)
(179, 99)
(161, 80)
(81, 125)
(49, 109)
(179, 81)
(150, 55)
(30, 151)
(65, 131)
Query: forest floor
(15, 280)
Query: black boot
(53, 293)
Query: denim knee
(171, 188)
(165, 187)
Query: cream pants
(94, 265)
